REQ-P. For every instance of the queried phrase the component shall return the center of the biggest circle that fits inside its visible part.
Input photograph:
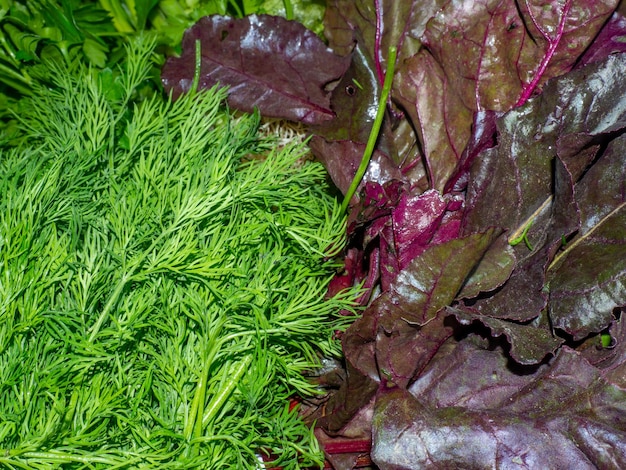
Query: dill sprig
(162, 287)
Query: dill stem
(373, 137)
(193, 427)
(62, 457)
(199, 418)
(288, 9)
(220, 398)
(95, 329)
(119, 288)
(197, 66)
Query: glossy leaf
(588, 277)
(433, 279)
(438, 113)
(496, 53)
(611, 39)
(471, 410)
(378, 24)
(493, 271)
(269, 63)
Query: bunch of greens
(488, 229)
(32, 31)
(162, 280)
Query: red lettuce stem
(552, 45)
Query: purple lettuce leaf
(342, 158)
(441, 119)
(269, 63)
(529, 343)
(559, 164)
(470, 410)
(403, 349)
(610, 356)
(520, 298)
(611, 359)
(483, 137)
(400, 332)
(432, 280)
(497, 53)
(610, 40)
(415, 220)
(577, 197)
(459, 72)
(349, 403)
(493, 270)
(354, 101)
(378, 24)
(489, 55)
(587, 278)
(373, 27)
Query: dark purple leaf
(483, 137)
(588, 277)
(496, 53)
(378, 24)
(565, 215)
(378, 201)
(519, 182)
(450, 225)
(471, 411)
(267, 62)
(511, 183)
(611, 39)
(415, 220)
(490, 55)
(521, 298)
(438, 113)
(359, 342)
(354, 101)
(611, 357)
(341, 158)
(399, 333)
(432, 280)
(493, 270)
(354, 395)
(529, 343)
(403, 349)
(348, 451)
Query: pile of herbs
(163, 278)
(58, 30)
(489, 230)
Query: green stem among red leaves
(373, 137)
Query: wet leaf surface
(269, 63)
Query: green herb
(373, 137)
(162, 280)
(606, 340)
(357, 84)
(32, 30)
(523, 237)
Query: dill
(162, 290)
